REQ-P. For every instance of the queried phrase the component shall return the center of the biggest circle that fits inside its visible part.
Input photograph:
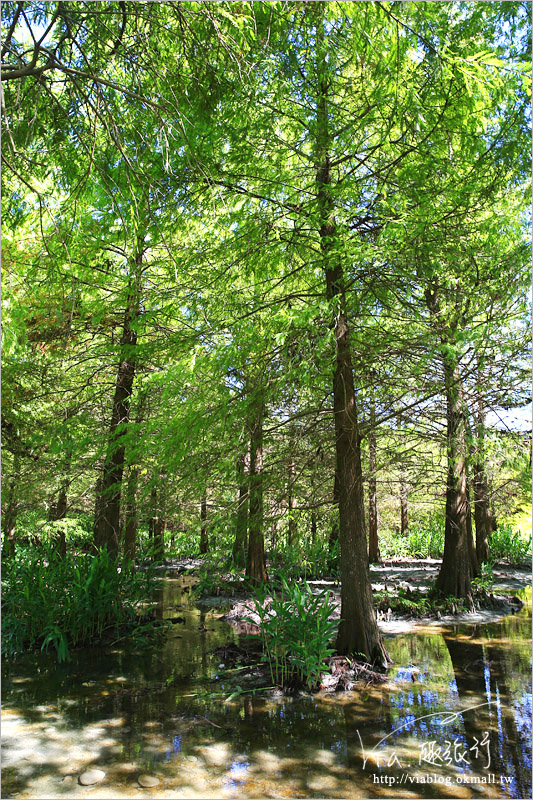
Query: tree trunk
(132, 522)
(291, 504)
(131, 515)
(58, 510)
(107, 522)
(159, 528)
(404, 512)
(456, 569)
(204, 541)
(313, 527)
(255, 562)
(373, 543)
(9, 515)
(334, 532)
(241, 518)
(455, 574)
(482, 510)
(358, 630)
(470, 536)
(153, 511)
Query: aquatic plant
(63, 602)
(295, 629)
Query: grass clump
(295, 633)
(64, 602)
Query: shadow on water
(452, 721)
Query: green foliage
(77, 531)
(424, 540)
(311, 561)
(66, 602)
(415, 603)
(507, 544)
(295, 632)
(486, 579)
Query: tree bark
(132, 522)
(482, 511)
(455, 574)
(241, 518)
(470, 536)
(153, 511)
(159, 527)
(373, 543)
(204, 541)
(313, 527)
(131, 525)
(404, 510)
(58, 510)
(358, 629)
(255, 562)
(334, 532)
(107, 522)
(291, 503)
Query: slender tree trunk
(255, 562)
(132, 522)
(456, 569)
(107, 522)
(334, 532)
(9, 515)
(404, 511)
(358, 630)
(455, 575)
(291, 502)
(373, 543)
(313, 527)
(204, 540)
(482, 510)
(470, 536)
(131, 514)
(58, 510)
(159, 526)
(241, 518)
(153, 511)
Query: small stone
(91, 777)
(148, 781)
(67, 780)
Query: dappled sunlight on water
(162, 710)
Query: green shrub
(47, 600)
(486, 579)
(424, 540)
(312, 561)
(295, 632)
(506, 544)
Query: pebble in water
(147, 781)
(91, 777)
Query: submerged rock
(91, 777)
(148, 781)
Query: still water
(454, 720)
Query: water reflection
(162, 710)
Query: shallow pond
(454, 720)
